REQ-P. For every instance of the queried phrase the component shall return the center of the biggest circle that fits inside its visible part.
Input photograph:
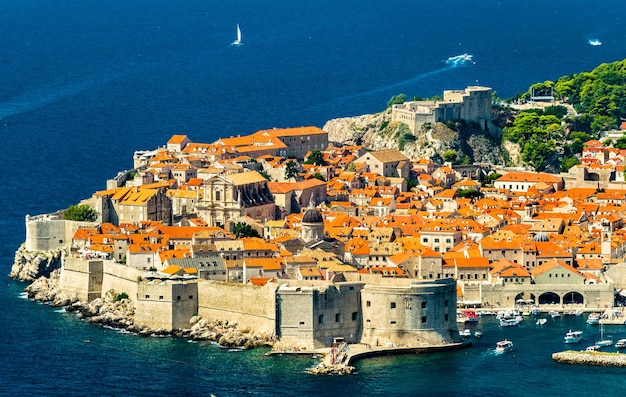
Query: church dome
(312, 216)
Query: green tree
(351, 167)
(396, 99)
(568, 163)
(315, 157)
(80, 212)
(243, 229)
(451, 156)
(319, 176)
(291, 170)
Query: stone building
(229, 197)
(471, 105)
(387, 163)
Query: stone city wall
(81, 278)
(166, 304)
(250, 306)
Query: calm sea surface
(85, 83)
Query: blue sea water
(85, 83)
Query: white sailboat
(238, 40)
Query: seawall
(590, 358)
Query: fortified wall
(166, 304)
(49, 232)
(250, 306)
(472, 105)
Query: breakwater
(590, 358)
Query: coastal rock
(29, 266)
(377, 132)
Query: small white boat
(573, 336)
(594, 42)
(604, 342)
(554, 314)
(238, 40)
(478, 333)
(593, 319)
(510, 322)
(466, 333)
(541, 321)
(620, 344)
(504, 346)
(593, 348)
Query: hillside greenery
(552, 139)
(80, 212)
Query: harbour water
(86, 83)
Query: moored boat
(593, 319)
(573, 336)
(620, 344)
(478, 333)
(503, 346)
(604, 341)
(541, 321)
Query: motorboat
(620, 344)
(594, 42)
(466, 333)
(535, 311)
(478, 333)
(541, 321)
(593, 319)
(573, 336)
(510, 322)
(593, 348)
(554, 314)
(504, 346)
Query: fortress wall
(44, 233)
(420, 313)
(82, 278)
(250, 306)
(120, 278)
(311, 317)
(166, 304)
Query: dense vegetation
(80, 212)
(599, 98)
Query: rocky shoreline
(590, 358)
(115, 310)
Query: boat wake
(460, 60)
(387, 88)
(594, 42)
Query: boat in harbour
(466, 333)
(603, 342)
(620, 344)
(541, 321)
(238, 40)
(478, 333)
(535, 311)
(504, 346)
(593, 319)
(573, 336)
(594, 42)
(593, 348)
(510, 322)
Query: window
(320, 319)
(446, 317)
(446, 303)
(218, 195)
(368, 304)
(355, 315)
(178, 298)
(190, 296)
(393, 305)
(338, 317)
(147, 296)
(301, 323)
(392, 322)
(160, 296)
(448, 240)
(424, 304)
(436, 240)
(423, 319)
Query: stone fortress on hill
(360, 258)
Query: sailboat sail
(238, 40)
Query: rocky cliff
(377, 131)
